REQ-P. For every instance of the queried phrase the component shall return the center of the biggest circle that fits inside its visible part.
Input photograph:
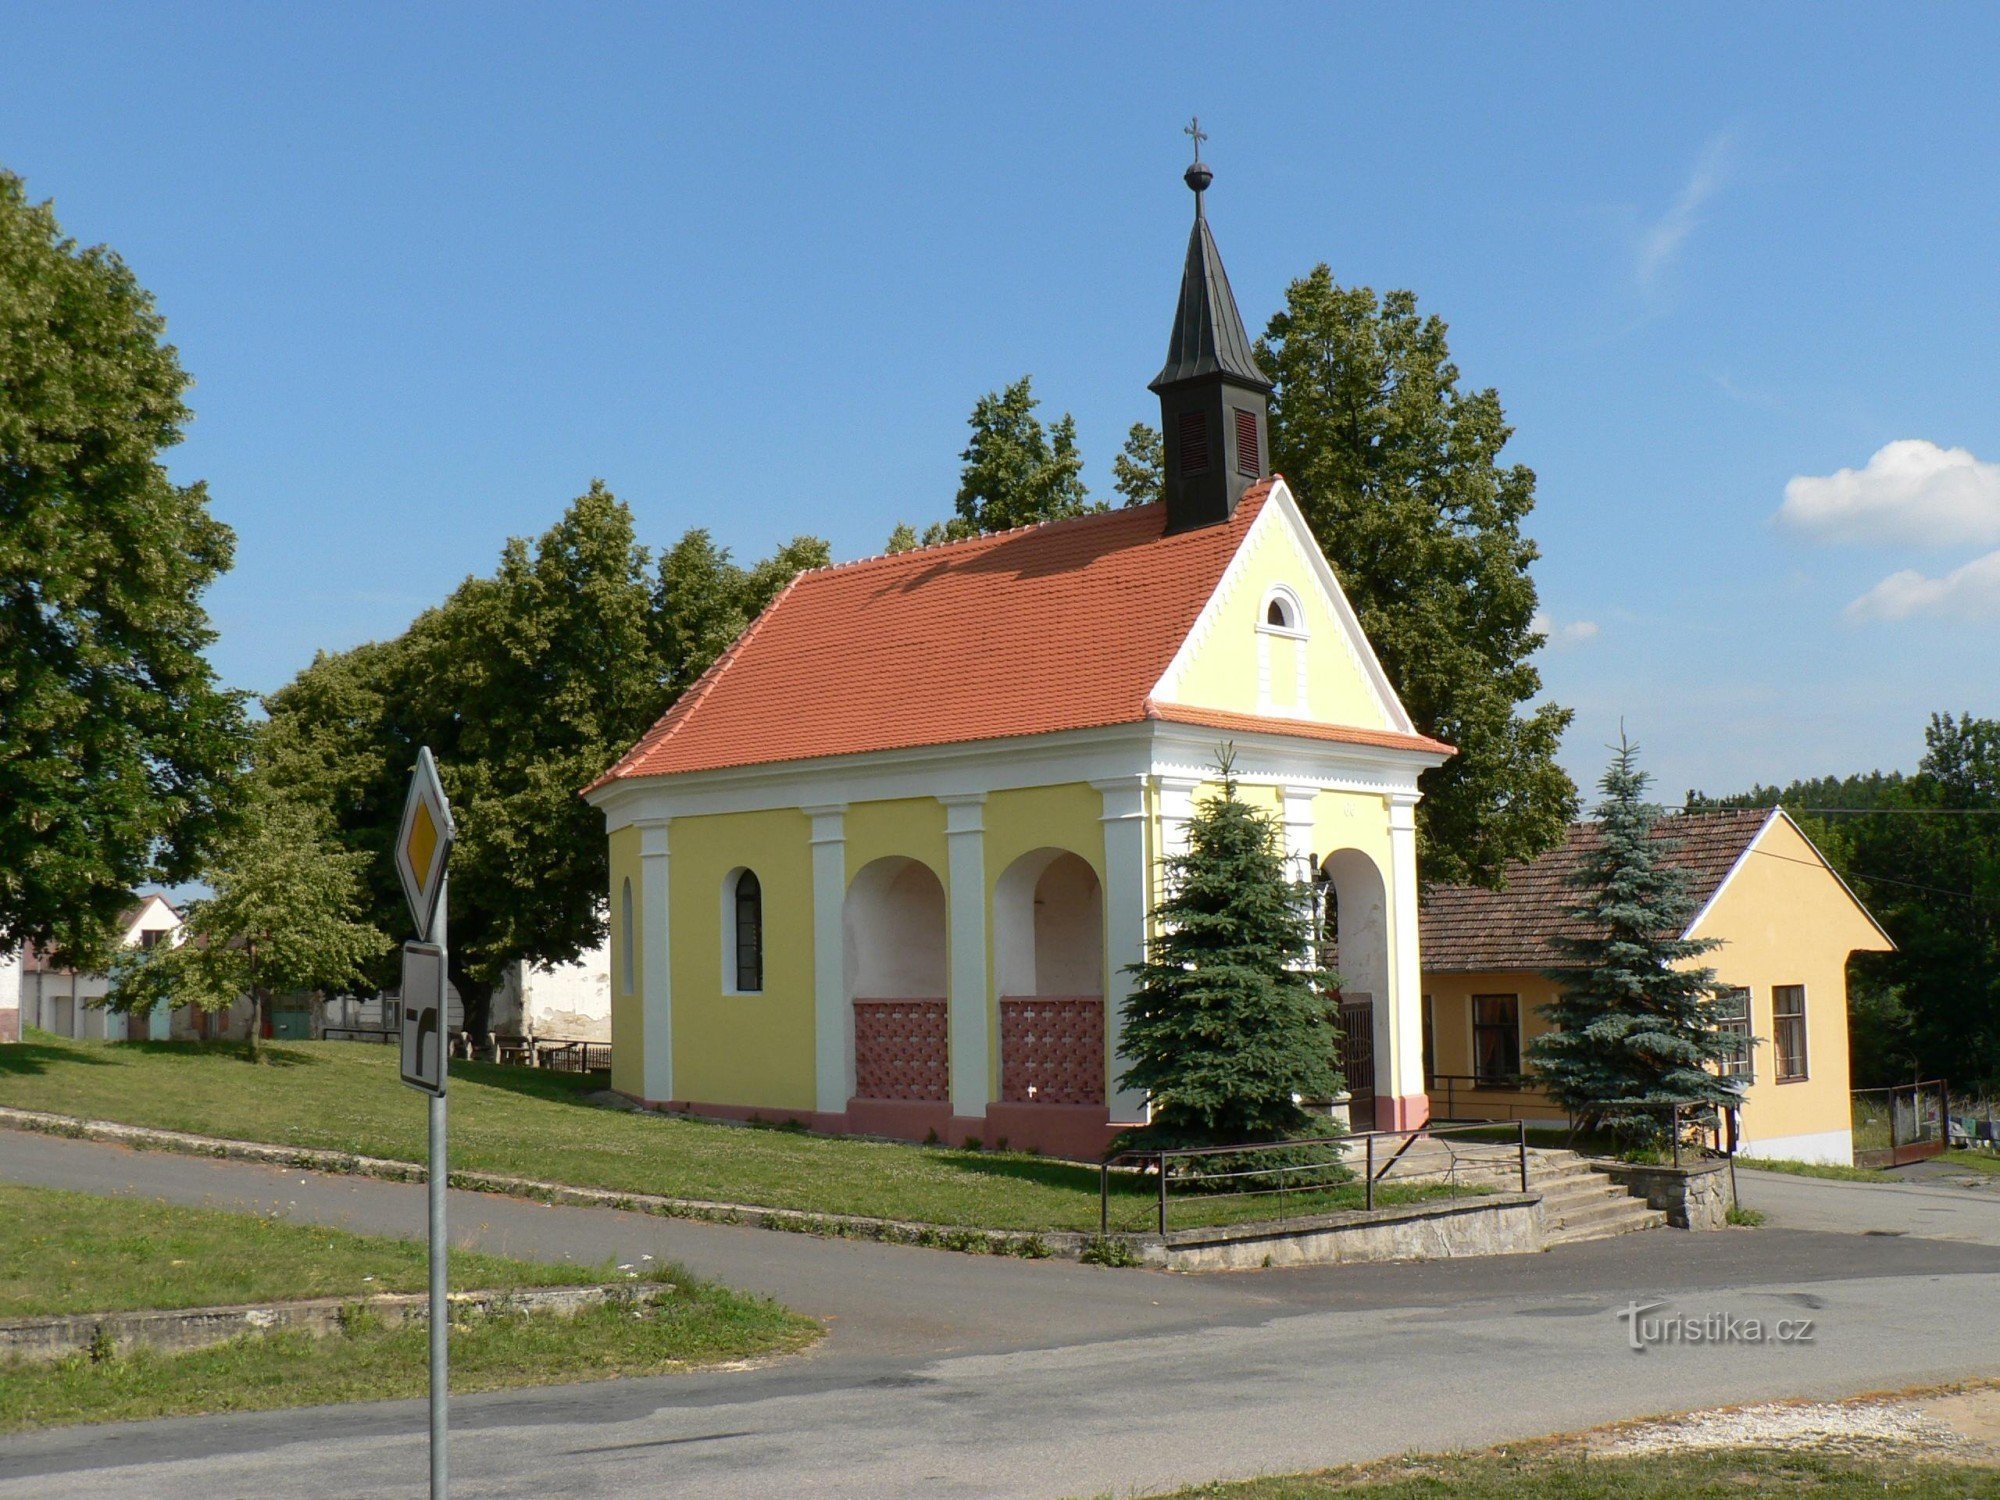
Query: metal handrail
(1160, 1163)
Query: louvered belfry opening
(1249, 445)
(1194, 442)
(1212, 392)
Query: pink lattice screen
(1052, 1051)
(900, 1050)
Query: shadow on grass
(269, 1056)
(536, 1083)
(23, 1058)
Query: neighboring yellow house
(1787, 924)
(881, 870)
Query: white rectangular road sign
(424, 1017)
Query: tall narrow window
(627, 979)
(1788, 1031)
(749, 934)
(1430, 1045)
(1496, 1039)
(1732, 1020)
(1249, 458)
(1194, 442)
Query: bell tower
(1213, 397)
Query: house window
(627, 980)
(150, 939)
(1788, 1031)
(1732, 1020)
(747, 946)
(1496, 1038)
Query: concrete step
(1603, 1224)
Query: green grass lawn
(63, 1252)
(346, 1096)
(1815, 1169)
(698, 1325)
(1544, 1472)
(1985, 1162)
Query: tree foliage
(1635, 1020)
(1139, 470)
(1399, 474)
(284, 917)
(1016, 472)
(1923, 852)
(526, 685)
(1230, 1020)
(117, 748)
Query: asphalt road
(951, 1375)
(1931, 1208)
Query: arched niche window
(627, 979)
(1282, 612)
(744, 950)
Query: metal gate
(1357, 1060)
(1893, 1127)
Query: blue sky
(435, 268)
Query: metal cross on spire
(1194, 131)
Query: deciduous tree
(118, 750)
(284, 916)
(1399, 474)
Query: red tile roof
(1471, 929)
(1066, 625)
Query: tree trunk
(254, 1042)
(477, 1002)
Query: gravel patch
(1859, 1427)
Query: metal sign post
(423, 852)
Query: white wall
(570, 1001)
(894, 917)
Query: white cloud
(1969, 595)
(1562, 636)
(1911, 491)
(1661, 242)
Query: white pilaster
(1299, 831)
(833, 1016)
(656, 1075)
(1405, 1064)
(1176, 812)
(965, 858)
(1126, 894)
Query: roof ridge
(981, 538)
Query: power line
(1935, 890)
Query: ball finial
(1197, 176)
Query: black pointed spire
(1212, 393)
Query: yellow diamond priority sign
(423, 844)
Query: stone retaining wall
(1490, 1224)
(1693, 1197)
(175, 1330)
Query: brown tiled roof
(1065, 625)
(1469, 928)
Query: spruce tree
(1231, 1019)
(1635, 1019)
